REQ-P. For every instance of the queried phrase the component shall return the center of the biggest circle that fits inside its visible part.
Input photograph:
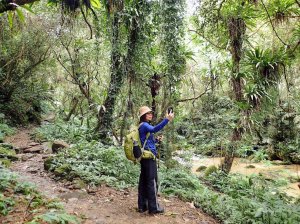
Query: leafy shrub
(6, 204)
(209, 170)
(71, 132)
(21, 90)
(5, 130)
(54, 218)
(94, 163)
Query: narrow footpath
(101, 205)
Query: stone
(47, 163)
(63, 170)
(72, 200)
(295, 157)
(47, 147)
(26, 157)
(45, 156)
(250, 166)
(34, 149)
(78, 184)
(211, 169)
(33, 144)
(58, 145)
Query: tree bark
(117, 78)
(237, 29)
(74, 104)
(106, 111)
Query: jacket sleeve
(152, 129)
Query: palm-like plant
(266, 63)
(282, 10)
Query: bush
(5, 130)
(21, 89)
(71, 132)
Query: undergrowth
(15, 194)
(71, 132)
(5, 129)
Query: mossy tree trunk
(237, 29)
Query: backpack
(134, 136)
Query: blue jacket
(145, 128)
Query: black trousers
(147, 197)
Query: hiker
(147, 192)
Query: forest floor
(104, 205)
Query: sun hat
(143, 110)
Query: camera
(170, 110)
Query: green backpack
(129, 143)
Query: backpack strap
(143, 148)
(147, 136)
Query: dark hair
(143, 118)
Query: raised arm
(156, 128)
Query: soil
(104, 205)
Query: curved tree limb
(262, 2)
(209, 41)
(195, 98)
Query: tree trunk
(105, 114)
(154, 84)
(106, 111)
(74, 104)
(237, 29)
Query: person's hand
(159, 138)
(170, 116)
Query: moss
(63, 170)
(79, 184)
(250, 166)
(6, 151)
(209, 170)
(201, 168)
(172, 163)
(47, 163)
(8, 154)
(5, 162)
(6, 145)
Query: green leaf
(10, 16)
(96, 4)
(27, 8)
(20, 15)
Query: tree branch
(209, 41)
(262, 2)
(8, 5)
(195, 98)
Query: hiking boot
(159, 210)
(142, 210)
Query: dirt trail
(106, 205)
